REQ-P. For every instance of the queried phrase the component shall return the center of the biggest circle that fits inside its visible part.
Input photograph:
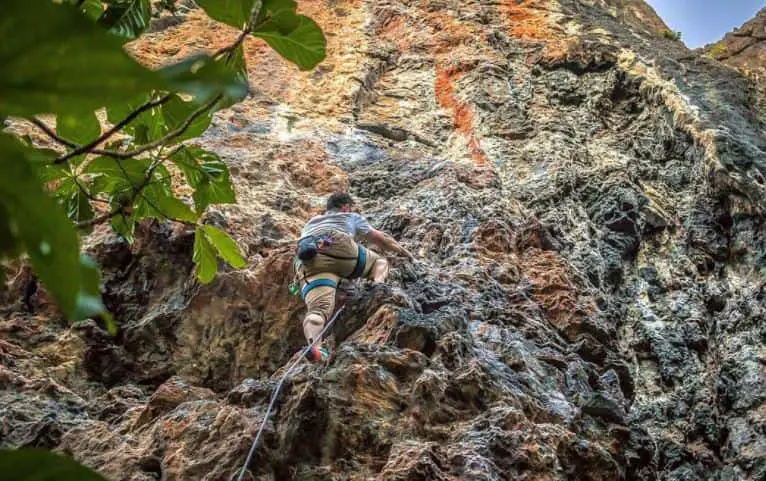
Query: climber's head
(340, 202)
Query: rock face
(745, 50)
(745, 47)
(584, 196)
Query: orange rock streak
(462, 115)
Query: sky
(705, 21)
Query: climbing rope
(279, 388)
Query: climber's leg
(319, 294)
(380, 270)
(376, 267)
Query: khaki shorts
(339, 261)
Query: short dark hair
(338, 200)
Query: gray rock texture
(585, 199)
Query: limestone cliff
(584, 196)
(745, 50)
(745, 47)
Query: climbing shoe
(317, 354)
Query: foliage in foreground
(31, 464)
(66, 59)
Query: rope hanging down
(279, 388)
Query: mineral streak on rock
(585, 198)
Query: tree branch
(154, 206)
(132, 153)
(101, 218)
(89, 148)
(85, 192)
(229, 49)
(137, 190)
(50, 133)
(159, 142)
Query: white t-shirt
(349, 222)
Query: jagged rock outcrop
(745, 50)
(584, 196)
(745, 47)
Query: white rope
(279, 388)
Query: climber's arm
(385, 242)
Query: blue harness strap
(361, 260)
(317, 283)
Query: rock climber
(328, 252)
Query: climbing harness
(308, 248)
(317, 283)
(361, 260)
(279, 388)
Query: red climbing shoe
(318, 354)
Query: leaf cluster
(34, 464)
(121, 131)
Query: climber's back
(349, 222)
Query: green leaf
(116, 112)
(78, 207)
(127, 18)
(37, 221)
(147, 127)
(176, 112)
(295, 37)
(10, 245)
(237, 64)
(41, 227)
(204, 78)
(117, 180)
(35, 464)
(74, 200)
(78, 128)
(54, 60)
(208, 176)
(157, 201)
(231, 12)
(42, 162)
(93, 9)
(125, 226)
(269, 8)
(204, 257)
(227, 249)
(114, 188)
(208, 241)
(132, 171)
